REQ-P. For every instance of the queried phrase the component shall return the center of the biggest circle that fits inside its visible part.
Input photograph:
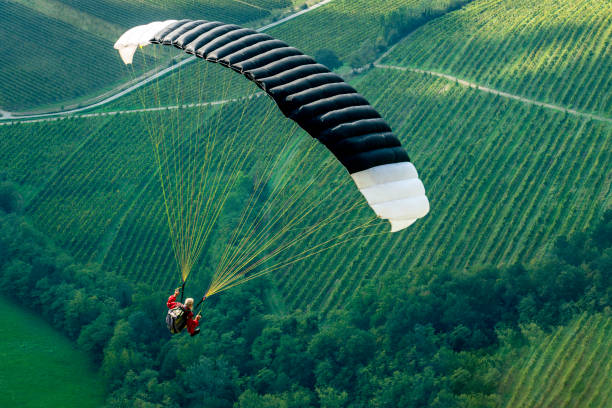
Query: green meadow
(40, 367)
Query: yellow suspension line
(226, 192)
(300, 257)
(285, 246)
(295, 197)
(245, 260)
(246, 239)
(265, 211)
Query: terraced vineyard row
(26, 163)
(557, 52)
(93, 184)
(493, 169)
(132, 12)
(358, 22)
(569, 368)
(51, 61)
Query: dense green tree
(328, 58)
(10, 199)
(432, 332)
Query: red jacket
(191, 323)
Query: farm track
(495, 168)
(542, 50)
(70, 114)
(500, 93)
(120, 91)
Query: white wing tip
(127, 53)
(394, 192)
(138, 36)
(398, 225)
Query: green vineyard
(493, 168)
(571, 367)
(73, 42)
(556, 52)
(359, 21)
(504, 178)
(121, 182)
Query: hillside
(570, 367)
(500, 296)
(60, 51)
(360, 23)
(312, 32)
(557, 52)
(91, 183)
(496, 171)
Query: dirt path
(11, 118)
(500, 93)
(128, 111)
(118, 92)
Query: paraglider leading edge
(318, 100)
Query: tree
(10, 199)
(210, 382)
(328, 58)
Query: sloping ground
(56, 51)
(496, 173)
(557, 52)
(572, 367)
(132, 12)
(40, 367)
(345, 26)
(503, 178)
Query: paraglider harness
(176, 318)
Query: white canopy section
(395, 192)
(138, 36)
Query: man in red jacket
(190, 322)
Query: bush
(10, 199)
(328, 58)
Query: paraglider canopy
(311, 96)
(318, 100)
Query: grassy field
(572, 367)
(40, 367)
(57, 52)
(557, 52)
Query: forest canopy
(435, 332)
